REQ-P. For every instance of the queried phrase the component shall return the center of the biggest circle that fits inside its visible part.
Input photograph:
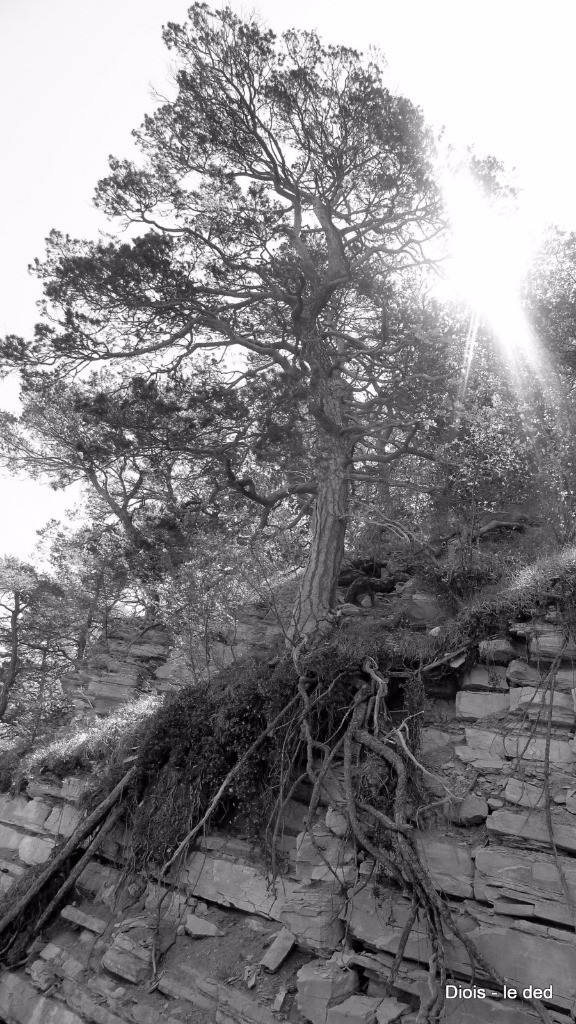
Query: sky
(77, 77)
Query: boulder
(422, 609)
(312, 914)
(322, 985)
(43, 974)
(200, 928)
(499, 651)
(520, 673)
(35, 849)
(132, 965)
(472, 810)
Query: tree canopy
(257, 344)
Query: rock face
(504, 863)
(121, 667)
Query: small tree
(34, 641)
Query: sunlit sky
(76, 77)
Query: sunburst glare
(490, 253)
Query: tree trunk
(313, 606)
(334, 450)
(10, 673)
(87, 625)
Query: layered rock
(121, 667)
(501, 848)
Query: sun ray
(491, 249)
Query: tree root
(18, 924)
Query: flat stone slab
(479, 759)
(390, 1010)
(519, 745)
(208, 993)
(276, 954)
(63, 820)
(529, 954)
(485, 679)
(537, 704)
(528, 878)
(524, 794)
(28, 814)
(548, 643)
(377, 920)
(449, 863)
(472, 706)
(520, 673)
(488, 1011)
(354, 1010)
(126, 965)
(310, 912)
(78, 917)
(530, 827)
(21, 1002)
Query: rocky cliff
(224, 940)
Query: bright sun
(490, 252)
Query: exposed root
(36, 897)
